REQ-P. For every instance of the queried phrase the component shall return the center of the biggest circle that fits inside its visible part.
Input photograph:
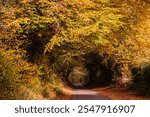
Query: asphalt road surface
(86, 94)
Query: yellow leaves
(25, 1)
(85, 20)
(16, 73)
(102, 42)
(82, 4)
(55, 41)
(143, 37)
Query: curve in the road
(86, 94)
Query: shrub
(16, 73)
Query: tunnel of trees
(92, 72)
(46, 44)
(85, 70)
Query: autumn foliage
(42, 43)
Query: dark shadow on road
(88, 97)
